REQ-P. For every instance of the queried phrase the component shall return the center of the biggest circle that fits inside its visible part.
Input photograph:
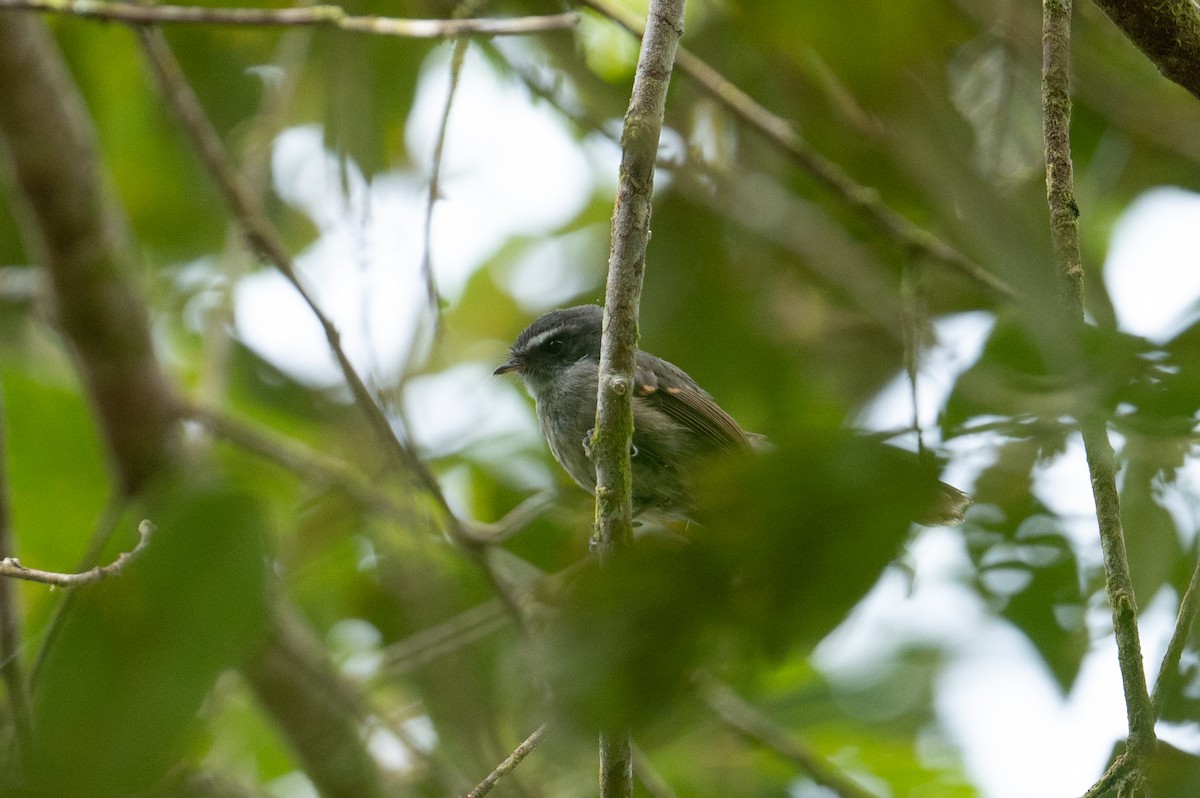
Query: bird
(676, 424)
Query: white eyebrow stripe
(541, 338)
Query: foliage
(784, 300)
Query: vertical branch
(626, 264)
(618, 349)
(1064, 231)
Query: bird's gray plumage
(676, 423)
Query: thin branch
(778, 131)
(457, 57)
(11, 567)
(744, 718)
(327, 16)
(102, 533)
(613, 434)
(831, 253)
(630, 234)
(1167, 31)
(1117, 772)
(321, 714)
(1064, 231)
(1168, 672)
(11, 669)
(254, 152)
(307, 465)
(322, 470)
(430, 644)
(519, 753)
(265, 240)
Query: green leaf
(116, 700)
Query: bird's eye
(554, 346)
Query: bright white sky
(995, 699)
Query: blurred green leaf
(769, 566)
(116, 700)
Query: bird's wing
(678, 396)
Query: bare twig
(1168, 672)
(1064, 231)
(328, 16)
(307, 465)
(457, 57)
(323, 470)
(752, 724)
(429, 645)
(613, 435)
(831, 253)
(11, 567)
(104, 529)
(1116, 774)
(860, 198)
(11, 669)
(254, 152)
(265, 240)
(510, 762)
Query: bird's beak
(512, 364)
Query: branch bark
(744, 718)
(511, 761)
(11, 567)
(73, 230)
(1064, 231)
(263, 239)
(51, 148)
(329, 16)
(316, 710)
(1167, 31)
(613, 435)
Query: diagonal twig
(1189, 607)
(328, 16)
(860, 198)
(511, 761)
(744, 718)
(747, 720)
(430, 644)
(265, 240)
(323, 470)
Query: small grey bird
(676, 423)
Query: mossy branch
(1064, 232)
(1167, 31)
(618, 350)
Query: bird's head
(554, 342)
